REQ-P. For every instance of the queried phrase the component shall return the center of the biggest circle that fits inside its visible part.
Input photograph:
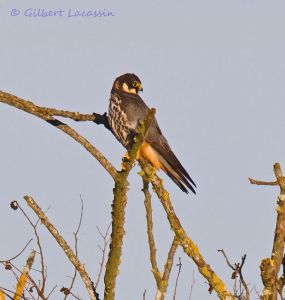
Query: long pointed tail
(181, 181)
(170, 165)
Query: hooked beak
(140, 88)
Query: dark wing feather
(136, 109)
(160, 144)
(179, 184)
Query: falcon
(126, 109)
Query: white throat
(128, 90)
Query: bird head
(128, 83)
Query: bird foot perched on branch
(101, 119)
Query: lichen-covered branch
(151, 242)
(161, 292)
(64, 246)
(47, 114)
(184, 240)
(169, 262)
(270, 266)
(161, 281)
(118, 209)
(29, 106)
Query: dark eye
(136, 84)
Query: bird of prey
(126, 109)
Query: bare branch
(24, 276)
(106, 241)
(237, 268)
(144, 294)
(151, 242)
(34, 226)
(75, 248)
(33, 282)
(227, 260)
(52, 290)
(42, 113)
(161, 281)
(179, 265)
(169, 262)
(270, 266)
(76, 116)
(187, 244)
(258, 182)
(247, 292)
(192, 286)
(5, 292)
(65, 247)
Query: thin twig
(75, 297)
(17, 255)
(33, 282)
(179, 265)
(52, 290)
(5, 291)
(34, 226)
(192, 286)
(65, 247)
(247, 292)
(21, 284)
(75, 234)
(237, 268)
(106, 241)
(226, 258)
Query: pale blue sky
(214, 70)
